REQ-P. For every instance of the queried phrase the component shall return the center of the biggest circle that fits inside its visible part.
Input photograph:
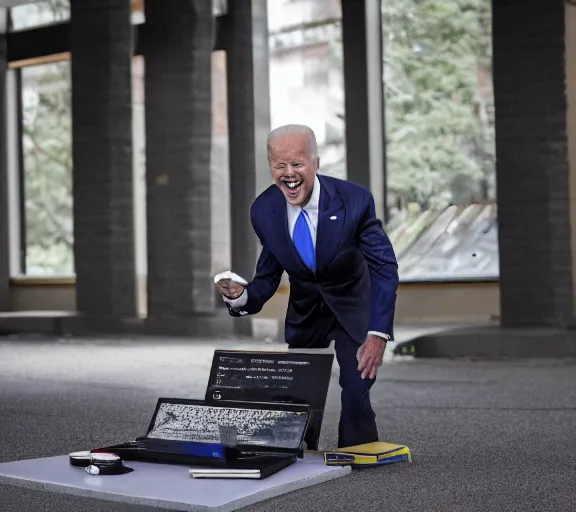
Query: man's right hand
(230, 289)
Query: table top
(166, 486)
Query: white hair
(291, 129)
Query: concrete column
(178, 109)
(364, 98)
(245, 29)
(101, 46)
(4, 209)
(533, 173)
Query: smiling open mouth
(292, 185)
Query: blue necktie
(303, 241)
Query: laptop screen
(261, 376)
(270, 377)
(263, 425)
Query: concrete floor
(485, 436)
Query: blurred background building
(401, 95)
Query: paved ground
(497, 436)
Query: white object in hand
(230, 275)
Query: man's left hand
(371, 356)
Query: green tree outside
(439, 123)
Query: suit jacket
(356, 277)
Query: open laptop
(238, 439)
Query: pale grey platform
(166, 486)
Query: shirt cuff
(238, 302)
(380, 335)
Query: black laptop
(234, 439)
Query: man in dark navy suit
(343, 272)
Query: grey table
(166, 486)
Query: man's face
(293, 167)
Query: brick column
(101, 45)
(4, 210)
(178, 65)
(532, 163)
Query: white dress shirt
(292, 213)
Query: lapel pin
(333, 217)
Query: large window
(306, 77)
(439, 121)
(47, 169)
(440, 157)
(440, 138)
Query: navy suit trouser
(357, 418)
(357, 423)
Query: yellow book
(370, 454)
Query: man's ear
(317, 162)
